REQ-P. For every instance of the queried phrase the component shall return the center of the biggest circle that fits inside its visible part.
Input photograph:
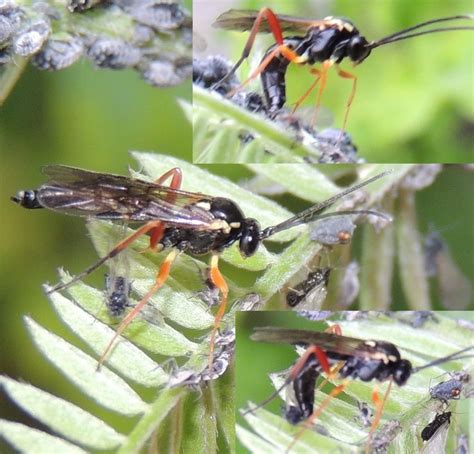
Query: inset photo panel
(324, 382)
(332, 82)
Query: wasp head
(358, 49)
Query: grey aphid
(31, 39)
(158, 15)
(161, 73)
(58, 54)
(113, 53)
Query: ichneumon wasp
(341, 357)
(326, 41)
(176, 220)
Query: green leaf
(104, 387)
(28, 440)
(209, 129)
(62, 417)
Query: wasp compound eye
(250, 237)
(402, 372)
(357, 49)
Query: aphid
(313, 290)
(174, 219)
(164, 73)
(335, 145)
(327, 41)
(161, 16)
(249, 302)
(462, 445)
(208, 71)
(439, 421)
(77, 6)
(118, 291)
(365, 414)
(333, 231)
(349, 285)
(31, 39)
(450, 389)
(224, 352)
(58, 54)
(455, 288)
(346, 357)
(113, 53)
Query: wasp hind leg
(215, 276)
(161, 277)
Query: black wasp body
(327, 41)
(200, 225)
(440, 420)
(365, 360)
(303, 393)
(333, 41)
(318, 278)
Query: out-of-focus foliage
(414, 98)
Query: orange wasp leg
(218, 280)
(176, 178)
(149, 226)
(310, 421)
(300, 100)
(274, 24)
(323, 80)
(156, 233)
(347, 75)
(161, 277)
(379, 406)
(282, 49)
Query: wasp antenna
(405, 33)
(453, 357)
(313, 213)
(78, 277)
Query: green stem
(148, 424)
(10, 76)
(251, 121)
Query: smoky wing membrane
(243, 20)
(326, 341)
(82, 193)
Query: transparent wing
(243, 20)
(83, 193)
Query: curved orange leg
(300, 100)
(176, 176)
(310, 421)
(379, 405)
(156, 233)
(282, 49)
(218, 280)
(161, 277)
(347, 75)
(273, 23)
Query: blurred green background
(415, 98)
